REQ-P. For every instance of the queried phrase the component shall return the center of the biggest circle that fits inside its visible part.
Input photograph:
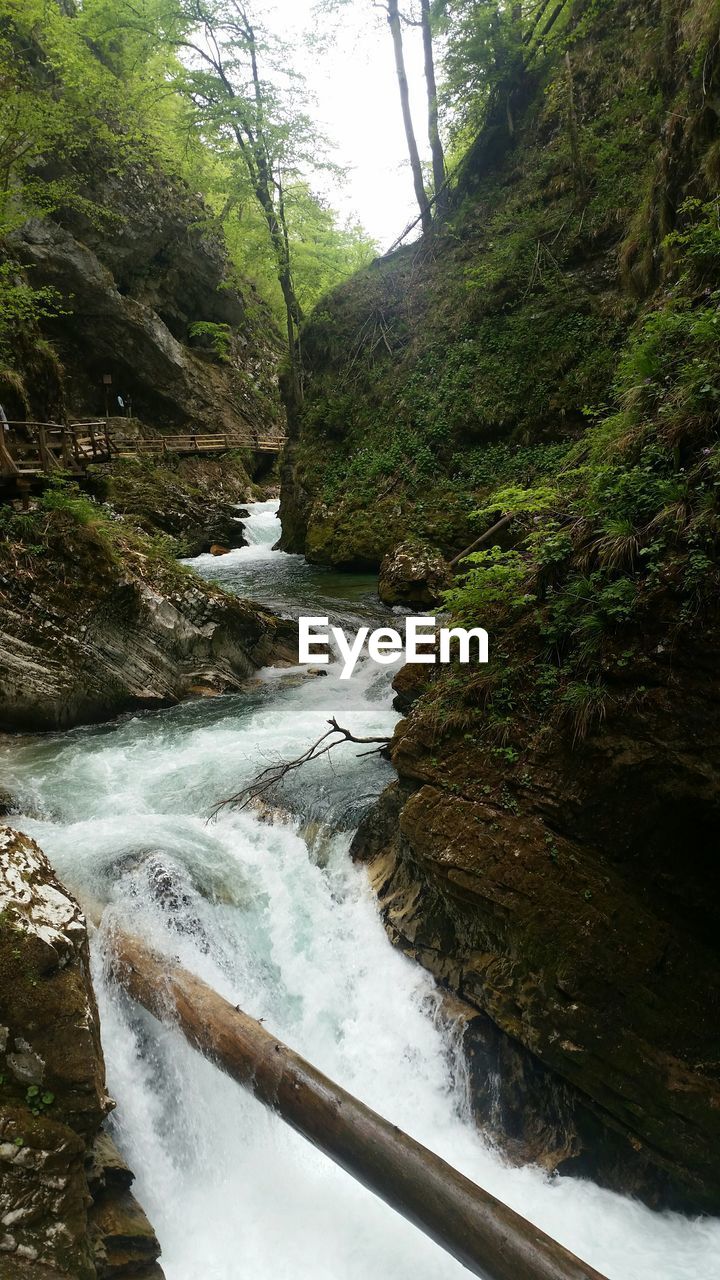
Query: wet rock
(568, 900)
(217, 550)
(63, 1186)
(409, 684)
(119, 638)
(126, 1244)
(413, 574)
(106, 1167)
(292, 679)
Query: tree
(398, 17)
(231, 96)
(393, 16)
(436, 146)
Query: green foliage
(584, 705)
(634, 512)
(215, 337)
(520, 501)
(483, 47)
(495, 579)
(64, 495)
(113, 87)
(325, 251)
(39, 1100)
(404, 451)
(59, 107)
(504, 463)
(696, 240)
(22, 307)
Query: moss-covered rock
(350, 533)
(125, 627)
(63, 1187)
(194, 501)
(413, 574)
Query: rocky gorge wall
(549, 354)
(66, 1208)
(99, 618)
(568, 902)
(479, 354)
(147, 296)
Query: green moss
(470, 360)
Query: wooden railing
(36, 448)
(200, 443)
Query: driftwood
(495, 528)
(486, 1236)
(336, 735)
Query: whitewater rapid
(286, 927)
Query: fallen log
(484, 537)
(486, 1236)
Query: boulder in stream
(413, 574)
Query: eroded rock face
(413, 574)
(194, 501)
(571, 902)
(63, 1187)
(130, 643)
(137, 300)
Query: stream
(270, 911)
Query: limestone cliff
(98, 619)
(141, 296)
(66, 1210)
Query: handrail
(44, 447)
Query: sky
(358, 107)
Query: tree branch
(335, 736)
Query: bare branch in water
(335, 737)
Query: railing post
(93, 441)
(7, 462)
(65, 445)
(42, 447)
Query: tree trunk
(277, 225)
(436, 147)
(253, 145)
(486, 1236)
(393, 17)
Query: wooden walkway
(34, 449)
